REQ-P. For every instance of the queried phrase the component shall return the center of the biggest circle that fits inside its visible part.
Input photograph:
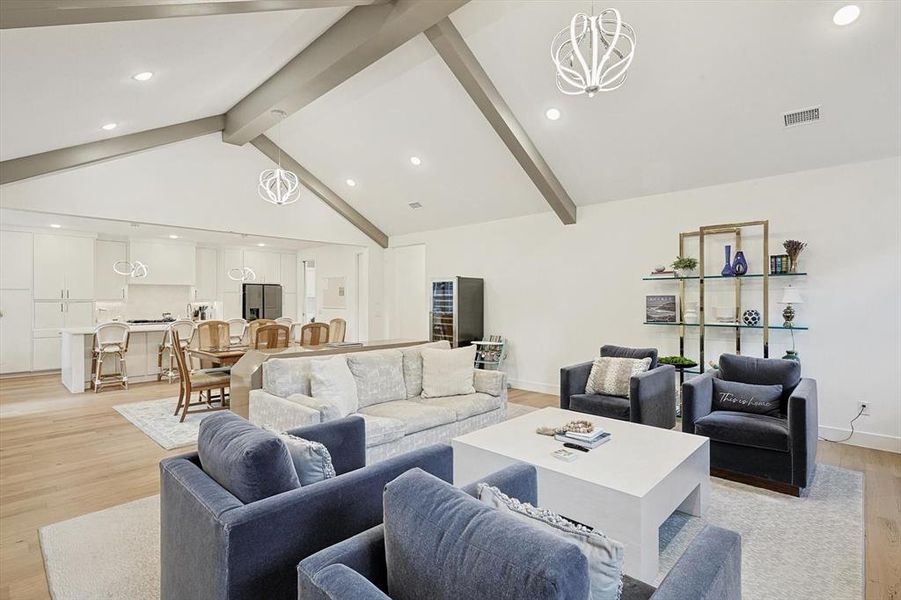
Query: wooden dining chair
(198, 381)
(337, 328)
(286, 321)
(251, 333)
(313, 334)
(272, 336)
(210, 335)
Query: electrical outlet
(863, 408)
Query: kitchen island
(77, 344)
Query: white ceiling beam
(360, 38)
(15, 14)
(325, 193)
(466, 68)
(34, 165)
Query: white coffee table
(626, 488)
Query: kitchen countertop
(148, 328)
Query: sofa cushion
(382, 430)
(249, 462)
(746, 397)
(613, 376)
(744, 429)
(312, 460)
(762, 371)
(435, 532)
(415, 416)
(286, 376)
(613, 407)
(466, 406)
(379, 376)
(413, 366)
(447, 372)
(332, 381)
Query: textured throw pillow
(312, 460)
(379, 376)
(332, 381)
(747, 397)
(283, 377)
(613, 376)
(413, 366)
(605, 556)
(447, 372)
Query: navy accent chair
(443, 544)
(213, 546)
(777, 452)
(652, 395)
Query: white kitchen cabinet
(63, 267)
(288, 274)
(16, 260)
(207, 274)
(153, 340)
(79, 314)
(49, 318)
(229, 259)
(138, 355)
(108, 285)
(15, 331)
(168, 263)
(46, 353)
(231, 305)
(266, 265)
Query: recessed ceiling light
(261, 244)
(552, 113)
(351, 182)
(109, 126)
(846, 15)
(55, 225)
(415, 161)
(172, 236)
(142, 76)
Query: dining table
(224, 356)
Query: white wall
(559, 292)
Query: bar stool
(236, 328)
(185, 330)
(110, 341)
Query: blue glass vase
(739, 265)
(727, 270)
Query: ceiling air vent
(415, 205)
(802, 117)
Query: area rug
(792, 548)
(157, 420)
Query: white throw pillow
(612, 376)
(332, 381)
(413, 366)
(605, 556)
(447, 372)
(312, 460)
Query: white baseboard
(535, 386)
(876, 441)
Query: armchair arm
(338, 582)
(344, 438)
(268, 538)
(573, 380)
(280, 414)
(364, 553)
(493, 383)
(652, 396)
(518, 481)
(803, 430)
(710, 569)
(697, 399)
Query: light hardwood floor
(63, 455)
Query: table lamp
(790, 296)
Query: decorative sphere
(751, 317)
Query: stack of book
(585, 440)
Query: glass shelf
(748, 276)
(731, 325)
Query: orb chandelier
(242, 274)
(278, 186)
(136, 269)
(593, 54)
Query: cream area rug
(792, 548)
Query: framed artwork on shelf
(661, 309)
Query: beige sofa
(393, 425)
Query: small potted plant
(685, 266)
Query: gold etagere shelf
(734, 229)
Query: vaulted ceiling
(703, 103)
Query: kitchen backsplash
(147, 302)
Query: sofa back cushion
(379, 376)
(284, 377)
(332, 381)
(252, 464)
(762, 371)
(443, 544)
(624, 352)
(448, 372)
(413, 365)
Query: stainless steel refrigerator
(262, 301)
(457, 310)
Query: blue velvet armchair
(213, 546)
(652, 394)
(773, 451)
(440, 543)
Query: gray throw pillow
(312, 460)
(746, 397)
